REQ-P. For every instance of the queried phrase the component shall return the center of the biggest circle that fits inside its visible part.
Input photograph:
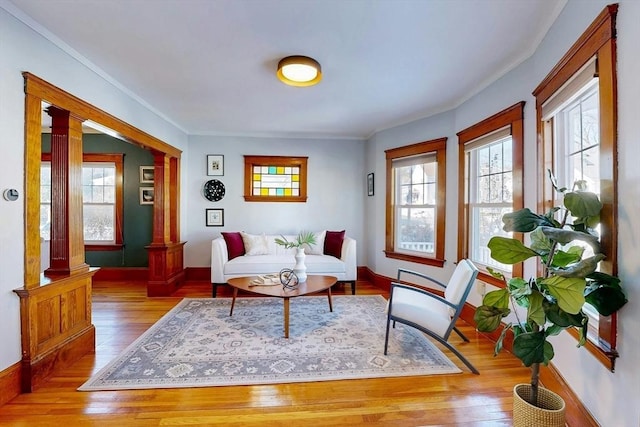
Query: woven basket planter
(548, 413)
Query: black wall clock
(214, 190)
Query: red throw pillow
(235, 245)
(333, 243)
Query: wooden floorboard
(122, 312)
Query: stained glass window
(275, 178)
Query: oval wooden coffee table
(313, 284)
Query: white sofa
(277, 258)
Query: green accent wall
(137, 219)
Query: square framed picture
(215, 164)
(146, 195)
(370, 184)
(215, 217)
(146, 174)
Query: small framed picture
(215, 217)
(370, 184)
(146, 174)
(215, 164)
(146, 195)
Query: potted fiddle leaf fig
(565, 242)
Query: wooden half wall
(55, 307)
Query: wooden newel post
(166, 270)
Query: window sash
(508, 123)
(419, 189)
(112, 181)
(416, 186)
(488, 210)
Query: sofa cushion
(333, 243)
(318, 248)
(254, 244)
(265, 264)
(235, 245)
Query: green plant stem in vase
(568, 250)
(303, 238)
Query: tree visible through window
(491, 185)
(490, 197)
(415, 202)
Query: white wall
(335, 189)
(438, 126)
(22, 49)
(608, 396)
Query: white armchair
(429, 312)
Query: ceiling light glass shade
(299, 71)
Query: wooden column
(166, 269)
(33, 151)
(67, 240)
(55, 310)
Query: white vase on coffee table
(300, 269)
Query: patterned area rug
(197, 344)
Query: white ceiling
(208, 66)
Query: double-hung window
(575, 115)
(490, 194)
(491, 185)
(577, 120)
(102, 200)
(415, 202)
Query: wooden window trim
(599, 41)
(117, 159)
(514, 118)
(439, 147)
(251, 161)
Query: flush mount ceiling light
(299, 71)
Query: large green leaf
(604, 292)
(559, 317)
(564, 236)
(579, 269)
(548, 353)
(536, 312)
(564, 258)
(606, 299)
(568, 291)
(498, 298)
(598, 278)
(509, 251)
(582, 204)
(553, 330)
(539, 242)
(488, 318)
(530, 347)
(523, 221)
(585, 224)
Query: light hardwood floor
(121, 312)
